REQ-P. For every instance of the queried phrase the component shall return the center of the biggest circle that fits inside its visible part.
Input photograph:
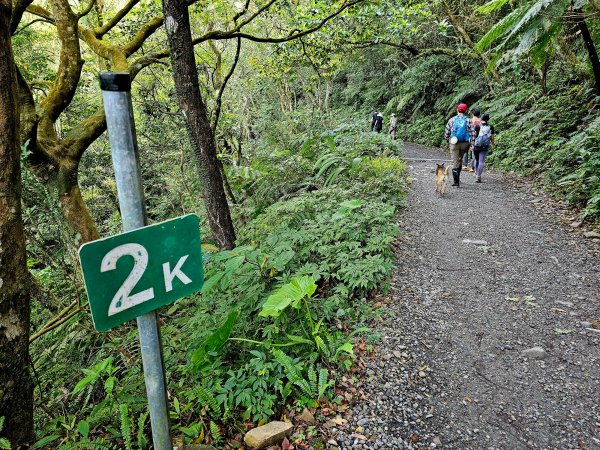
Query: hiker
(459, 133)
(373, 120)
(379, 122)
(475, 120)
(484, 141)
(393, 124)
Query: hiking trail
(482, 275)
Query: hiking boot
(456, 176)
(471, 169)
(478, 180)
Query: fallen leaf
(563, 330)
(339, 421)
(469, 399)
(359, 436)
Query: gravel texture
(484, 345)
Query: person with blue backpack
(460, 135)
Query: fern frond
(87, 444)
(491, 6)
(215, 432)
(500, 29)
(125, 425)
(324, 382)
(208, 399)
(531, 14)
(312, 378)
(142, 441)
(292, 371)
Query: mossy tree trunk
(16, 387)
(185, 74)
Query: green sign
(137, 272)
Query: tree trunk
(185, 74)
(74, 208)
(16, 387)
(590, 47)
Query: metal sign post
(116, 93)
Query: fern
(531, 14)
(208, 399)
(88, 444)
(324, 383)
(125, 422)
(142, 441)
(292, 372)
(215, 433)
(491, 6)
(312, 378)
(500, 29)
(4, 444)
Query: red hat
(462, 108)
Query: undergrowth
(275, 324)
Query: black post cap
(115, 81)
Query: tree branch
(41, 12)
(310, 59)
(244, 11)
(69, 68)
(217, 35)
(62, 317)
(86, 10)
(17, 14)
(105, 28)
(31, 23)
(218, 101)
(253, 16)
(145, 32)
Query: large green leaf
(491, 6)
(501, 28)
(214, 342)
(288, 294)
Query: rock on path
(449, 371)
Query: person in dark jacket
(379, 122)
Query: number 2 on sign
(122, 299)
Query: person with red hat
(459, 133)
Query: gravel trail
(482, 276)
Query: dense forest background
(287, 92)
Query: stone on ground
(269, 434)
(307, 417)
(534, 353)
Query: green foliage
(214, 342)
(314, 390)
(289, 294)
(4, 443)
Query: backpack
(484, 138)
(459, 129)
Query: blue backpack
(459, 129)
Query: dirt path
(449, 371)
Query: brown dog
(441, 178)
